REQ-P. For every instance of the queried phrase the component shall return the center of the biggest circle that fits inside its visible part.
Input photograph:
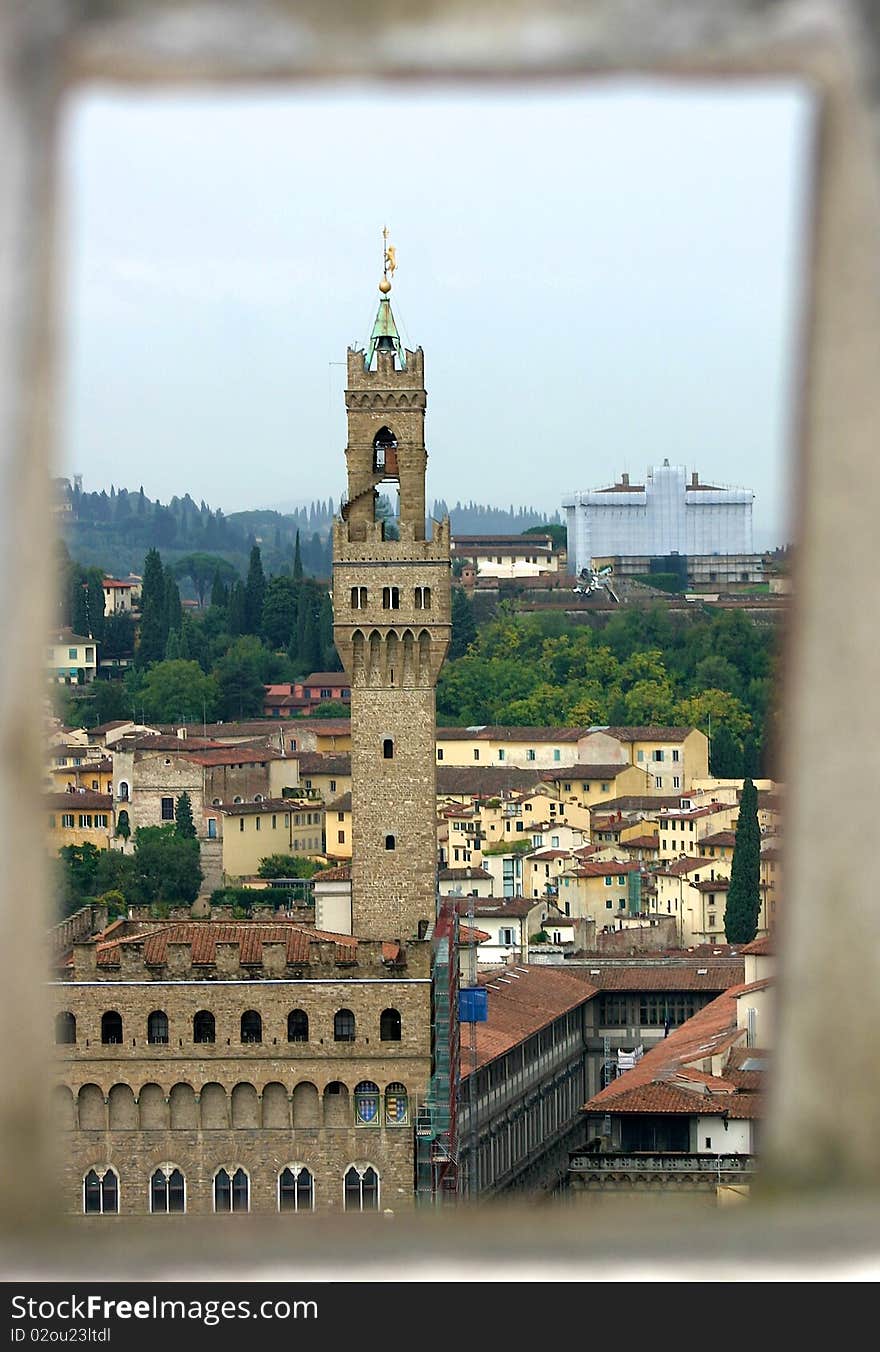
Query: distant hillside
(476, 518)
(113, 530)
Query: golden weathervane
(389, 262)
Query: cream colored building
(682, 829)
(601, 891)
(79, 818)
(71, 659)
(117, 596)
(250, 832)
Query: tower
(391, 626)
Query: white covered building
(667, 514)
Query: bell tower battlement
(392, 625)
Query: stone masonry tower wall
(391, 626)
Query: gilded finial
(389, 262)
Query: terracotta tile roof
(340, 804)
(499, 907)
(484, 781)
(648, 976)
(545, 854)
(646, 734)
(235, 755)
(505, 732)
(337, 678)
(585, 771)
(637, 802)
(79, 801)
(469, 874)
(469, 935)
(719, 838)
(671, 815)
(340, 874)
(604, 869)
(164, 741)
(687, 864)
(712, 885)
(250, 935)
(522, 1000)
(322, 763)
(764, 947)
(640, 843)
(656, 1083)
(266, 805)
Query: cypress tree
(236, 613)
(297, 561)
(254, 593)
(183, 816)
(219, 591)
(726, 755)
(153, 631)
(744, 893)
(173, 616)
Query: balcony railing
(661, 1162)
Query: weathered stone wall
(152, 776)
(261, 1106)
(392, 889)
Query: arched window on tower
(385, 452)
(391, 598)
(65, 1029)
(390, 843)
(204, 1027)
(388, 748)
(157, 1027)
(423, 598)
(389, 1025)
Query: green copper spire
(385, 337)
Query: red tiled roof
(337, 678)
(250, 935)
(522, 1000)
(686, 864)
(505, 732)
(235, 755)
(648, 976)
(719, 838)
(79, 801)
(340, 874)
(501, 907)
(646, 734)
(712, 885)
(648, 1087)
(761, 948)
(601, 870)
(585, 771)
(266, 805)
(640, 843)
(469, 934)
(323, 763)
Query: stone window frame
(101, 1171)
(232, 1171)
(296, 1169)
(361, 1168)
(167, 1168)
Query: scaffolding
(437, 1174)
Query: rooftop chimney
(624, 478)
(695, 479)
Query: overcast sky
(600, 276)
